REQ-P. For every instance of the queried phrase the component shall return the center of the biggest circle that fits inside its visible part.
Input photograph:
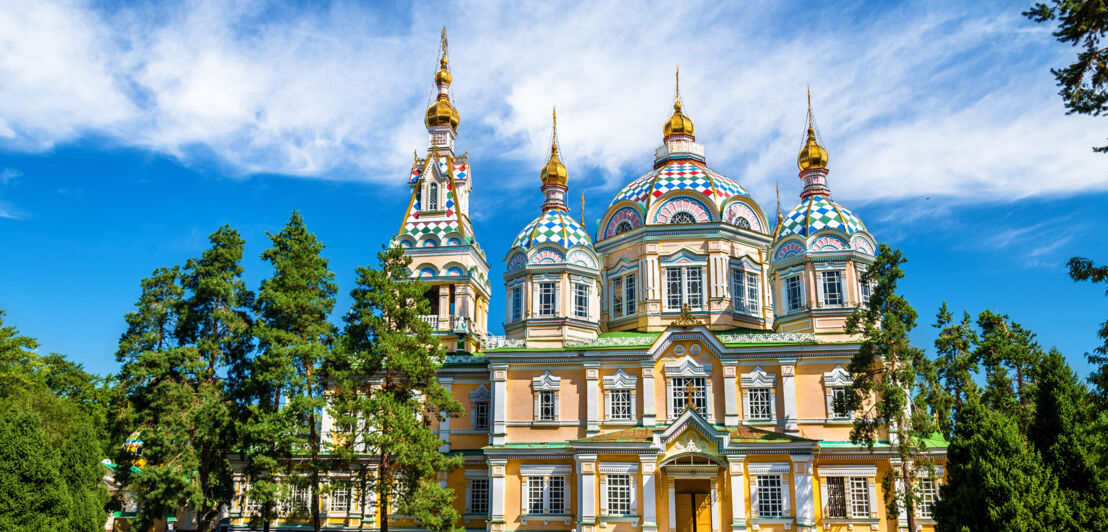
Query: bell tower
(436, 232)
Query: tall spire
(779, 217)
(582, 208)
(678, 124)
(442, 112)
(554, 175)
(812, 161)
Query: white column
(499, 403)
(592, 407)
(672, 505)
(804, 493)
(649, 268)
(715, 505)
(497, 494)
(788, 388)
(738, 491)
(649, 498)
(730, 389)
(444, 425)
(648, 415)
(325, 422)
(586, 484)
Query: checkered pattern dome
(553, 227)
(817, 213)
(680, 175)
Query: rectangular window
(629, 294)
(929, 493)
(581, 300)
(759, 403)
(832, 288)
(547, 295)
(752, 299)
(793, 295)
(836, 497)
(481, 416)
(340, 499)
(536, 495)
(479, 496)
(296, 502)
(617, 297)
(620, 404)
(864, 290)
(859, 498)
(517, 303)
(556, 496)
(250, 507)
(686, 389)
(547, 410)
(838, 394)
(619, 494)
(433, 197)
(770, 496)
(738, 290)
(675, 289)
(693, 291)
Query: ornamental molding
(618, 341)
(500, 342)
(529, 470)
(618, 468)
(768, 468)
(480, 395)
(847, 471)
(621, 380)
(546, 382)
(759, 379)
(688, 367)
(837, 377)
(767, 338)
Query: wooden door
(686, 519)
(702, 502)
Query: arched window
(682, 218)
(623, 227)
(433, 197)
(743, 223)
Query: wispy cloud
(7, 175)
(948, 101)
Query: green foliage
(954, 368)
(1081, 24)
(1082, 269)
(283, 394)
(190, 326)
(385, 336)
(892, 381)
(1069, 435)
(994, 480)
(18, 360)
(1005, 346)
(32, 492)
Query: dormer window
(433, 197)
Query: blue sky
(128, 133)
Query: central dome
(552, 227)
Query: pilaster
(444, 425)
(788, 389)
(735, 470)
(804, 493)
(499, 403)
(730, 390)
(649, 495)
(586, 483)
(592, 410)
(497, 475)
(648, 416)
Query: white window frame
(616, 303)
(433, 196)
(854, 477)
(623, 293)
(474, 479)
(780, 470)
(786, 296)
(337, 495)
(865, 290)
(835, 381)
(927, 497)
(581, 300)
(685, 368)
(759, 379)
(480, 396)
(825, 282)
(622, 382)
(745, 291)
(546, 289)
(685, 287)
(515, 302)
(549, 384)
(621, 472)
(546, 478)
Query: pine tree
(1082, 269)
(1006, 346)
(18, 360)
(994, 481)
(891, 382)
(33, 494)
(954, 367)
(190, 326)
(385, 338)
(1069, 435)
(286, 382)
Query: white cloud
(927, 101)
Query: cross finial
(444, 43)
(677, 87)
(582, 208)
(779, 218)
(554, 135)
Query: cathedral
(671, 368)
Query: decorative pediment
(545, 382)
(480, 395)
(690, 432)
(759, 379)
(837, 377)
(684, 257)
(621, 380)
(688, 366)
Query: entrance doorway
(693, 505)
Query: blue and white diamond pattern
(818, 213)
(552, 228)
(680, 176)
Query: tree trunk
(383, 487)
(909, 501)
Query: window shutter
(773, 403)
(785, 494)
(469, 496)
(524, 495)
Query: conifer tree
(286, 380)
(391, 421)
(189, 328)
(954, 367)
(1069, 435)
(1082, 269)
(1006, 346)
(891, 383)
(994, 480)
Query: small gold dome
(554, 173)
(812, 155)
(678, 124)
(442, 113)
(442, 77)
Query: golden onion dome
(812, 155)
(554, 172)
(678, 124)
(442, 77)
(442, 113)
